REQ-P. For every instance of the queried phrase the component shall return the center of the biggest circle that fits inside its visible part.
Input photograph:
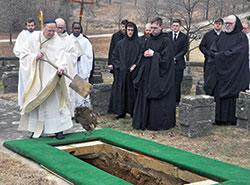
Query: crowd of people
(47, 103)
(147, 72)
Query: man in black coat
(116, 37)
(155, 101)
(209, 38)
(125, 56)
(229, 70)
(180, 44)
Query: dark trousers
(178, 79)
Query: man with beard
(21, 38)
(45, 96)
(116, 37)
(147, 33)
(124, 58)
(180, 45)
(209, 38)
(84, 62)
(73, 50)
(155, 100)
(231, 70)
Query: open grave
(110, 157)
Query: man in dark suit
(180, 45)
(209, 38)
(116, 37)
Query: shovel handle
(56, 67)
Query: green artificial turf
(77, 171)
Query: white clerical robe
(45, 93)
(84, 67)
(20, 40)
(73, 50)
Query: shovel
(79, 85)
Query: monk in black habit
(116, 37)
(155, 103)
(228, 70)
(124, 58)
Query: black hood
(238, 26)
(135, 34)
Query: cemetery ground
(226, 143)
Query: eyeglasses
(154, 28)
(230, 23)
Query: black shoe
(120, 116)
(59, 135)
(32, 133)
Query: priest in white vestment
(73, 50)
(45, 96)
(84, 63)
(21, 38)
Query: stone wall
(10, 81)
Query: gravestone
(186, 84)
(200, 88)
(10, 81)
(100, 96)
(196, 115)
(243, 110)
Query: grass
(126, 126)
(196, 55)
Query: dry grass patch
(13, 171)
(196, 55)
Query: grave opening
(131, 166)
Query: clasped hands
(40, 56)
(148, 53)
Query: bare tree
(147, 10)
(207, 8)
(118, 14)
(15, 13)
(184, 10)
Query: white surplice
(84, 67)
(45, 96)
(73, 50)
(20, 40)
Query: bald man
(73, 50)
(228, 70)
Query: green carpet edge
(200, 165)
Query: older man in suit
(180, 45)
